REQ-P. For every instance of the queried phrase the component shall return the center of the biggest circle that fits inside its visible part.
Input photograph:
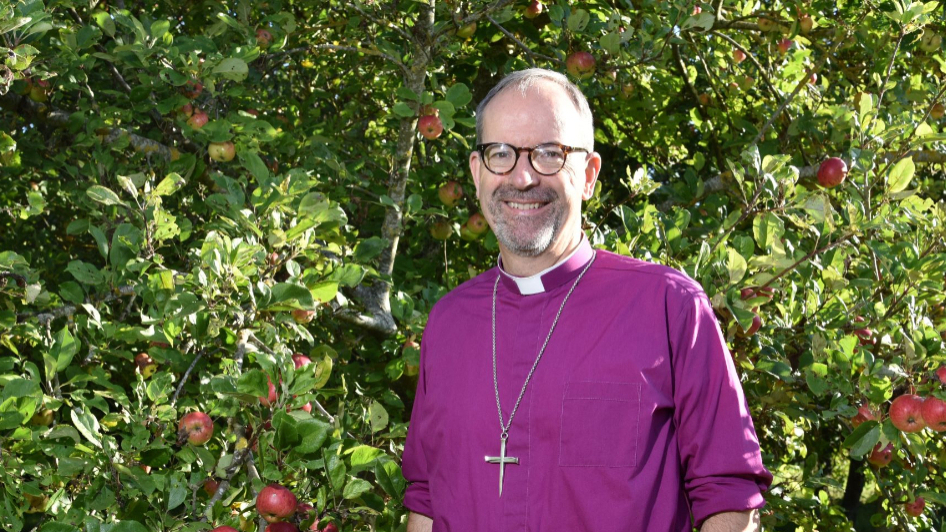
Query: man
(568, 388)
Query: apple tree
(224, 225)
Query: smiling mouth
(525, 206)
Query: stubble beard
(526, 237)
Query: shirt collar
(552, 277)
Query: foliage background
(118, 235)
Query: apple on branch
(430, 126)
(196, 428)
(271, 398)
(210, 486)
(450, 193)
(281, 526)
(145, 364)
(580, 64)
(805, 23)
(466, 31)
(915, 507)
(906, 413)
(937, 111)
(263, 38)
(477, 224)
(933, 413)
(534, 9)
(881, 457)
(192, 89)
(198, 119)
(864, 413)
(275, 503)
(784, 46)
(441, 229)
(222, 152)
(738, 55)
(302, 316)
(832, 172)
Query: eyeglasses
(546, 159)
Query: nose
(523, 176)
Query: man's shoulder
(478, 287)
(644, 273)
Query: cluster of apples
(197, 119)
(277, 505)
(909, 413)
(450, 193)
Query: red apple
(881, 457)
(303, 316)
(580, 64)
(937, 111)
(832, 172)
(450, 193)
(738, 55)
(477, 224)
(252, 112)
(145, 468)
(39, 91)
(784, 46)
(196, 428)
(186, 109)
(300, 360)
(813, 78)
(941, 374)
(272, 397)
(210, 486)
(331, 527)
(222, 152)
(864, 334)
(697, 9)
(915, 508)
(934, 413)
(281, 526)
(192, 89)
(263, 38)
(198, 119)
(467, 31)
(864, 413)
(430, 126)
(704, 99)
(534, 9)
(906, 413)
(224, 529)
(275, 503)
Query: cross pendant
(502, 460)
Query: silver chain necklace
(502, 459)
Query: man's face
(530, 213)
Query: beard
(526, 236)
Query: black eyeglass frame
(567, 150)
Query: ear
(475, 170)
(592, 169)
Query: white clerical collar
(552, 276)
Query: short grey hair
(523, 80)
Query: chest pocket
(600, 422)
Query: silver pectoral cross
(502, 460)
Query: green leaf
(377, 417)
(863, 439)
(355, 488)
(104, 195)
(252, 162)
(314, 433)
(900, 176)
(736, 265)
(64, 348)
(129, 526)
(169, 185)
(85, 273)
(87, 424)
(364, 455)
(295, 294)
(254, 382)
(389, 478)
(403, 110)
(369, 248)
(459, 95)
(232, 68)
(578, 20)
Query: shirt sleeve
(414, 460)
(719, 449)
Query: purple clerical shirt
(634, 418)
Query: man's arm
(722, 522)
(422, 523)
